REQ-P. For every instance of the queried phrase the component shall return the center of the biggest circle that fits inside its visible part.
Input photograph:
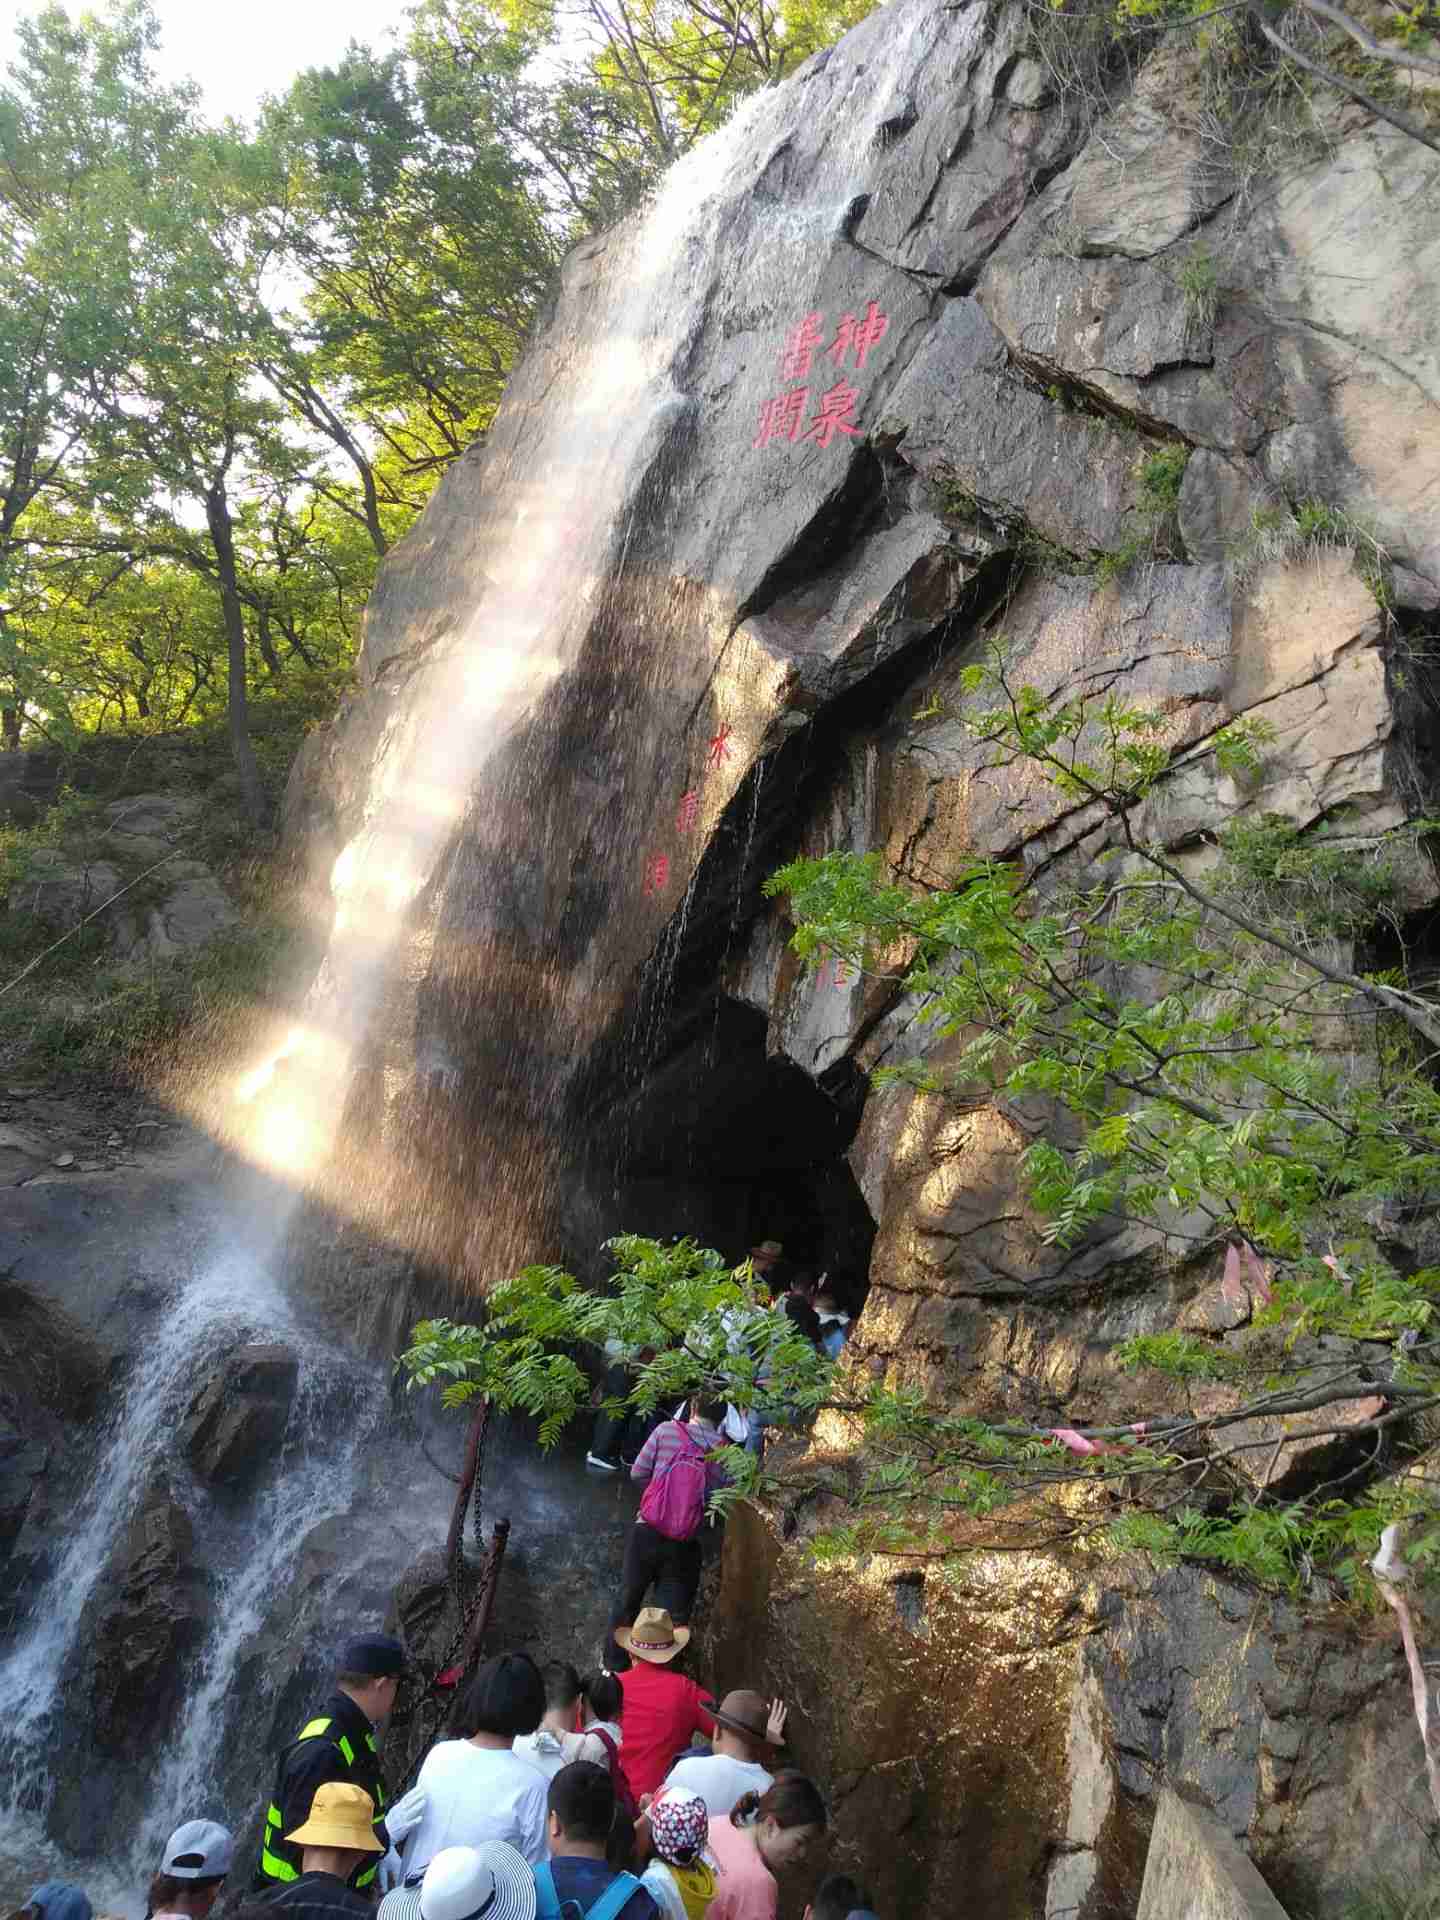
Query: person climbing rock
(478, 1788)
(577, 1879)
(761, 1837)
(339, 1744)
(769, 1264)
(197, 1858)
(834, 1322)
(662, 1709)
(617, 1436)
(555, 1743)
(748, 1729)
(663, 1549)
(335, 1842)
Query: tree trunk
(217, 517)
(10, 728)
(266, 645)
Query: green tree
(1194, 1044)
(83, 123)
(605, 94)
(424, 257)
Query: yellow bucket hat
(340, 1816)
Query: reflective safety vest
(274, 1865)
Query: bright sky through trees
(237, 53)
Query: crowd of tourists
(627, 1794)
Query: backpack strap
(613, 1898)
(607, 1741)
(547, 1901)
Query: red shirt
(661, 1710)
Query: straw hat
(340, 1816)
(461, 1883)
(654, 1636)
(768, 1249)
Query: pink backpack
(674, 1501)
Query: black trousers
(672, 1567)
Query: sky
(240, 49)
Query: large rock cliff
(891, 366)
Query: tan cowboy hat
(745, 1712)
(340, 1816)
(772, 1249)
(654, 1636)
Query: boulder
(236, 1423)
(152, 1611)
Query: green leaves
(1196, 1044)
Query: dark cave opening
(733, 1145)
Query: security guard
(339, 1744)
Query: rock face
(146, 891)
(237, 1421)
(150, 1615)
(882, 374)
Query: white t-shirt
(476, 1794)
(719, 1779)
(549, 1751)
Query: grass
(1281, 532)
(1386, 1899)
(84, 1015)
(94, 1021)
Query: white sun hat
(488, 1882)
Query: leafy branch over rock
(1209, 1069)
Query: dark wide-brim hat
(743, 1711)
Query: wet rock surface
(1011, 1725)
(236, 1423)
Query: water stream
(555, 507)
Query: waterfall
(229, 1297)
(316, 1481)
(335, 1409)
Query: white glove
(402, 1819)
(1387, 1564)
(391, 1871)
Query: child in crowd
(838, 1897)
(680, 1877)
(555, 1742)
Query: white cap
(199, 1850)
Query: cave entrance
(733, 1145)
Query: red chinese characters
(859, 336)
(783, 417)
(801, 345)
(718, 752)
(688, 811)
(657, 873)
(836, 408)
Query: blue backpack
(547, 1901)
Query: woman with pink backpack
(678, 1470)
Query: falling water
(530, 568)
(317, 1481)
(226, 1300)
